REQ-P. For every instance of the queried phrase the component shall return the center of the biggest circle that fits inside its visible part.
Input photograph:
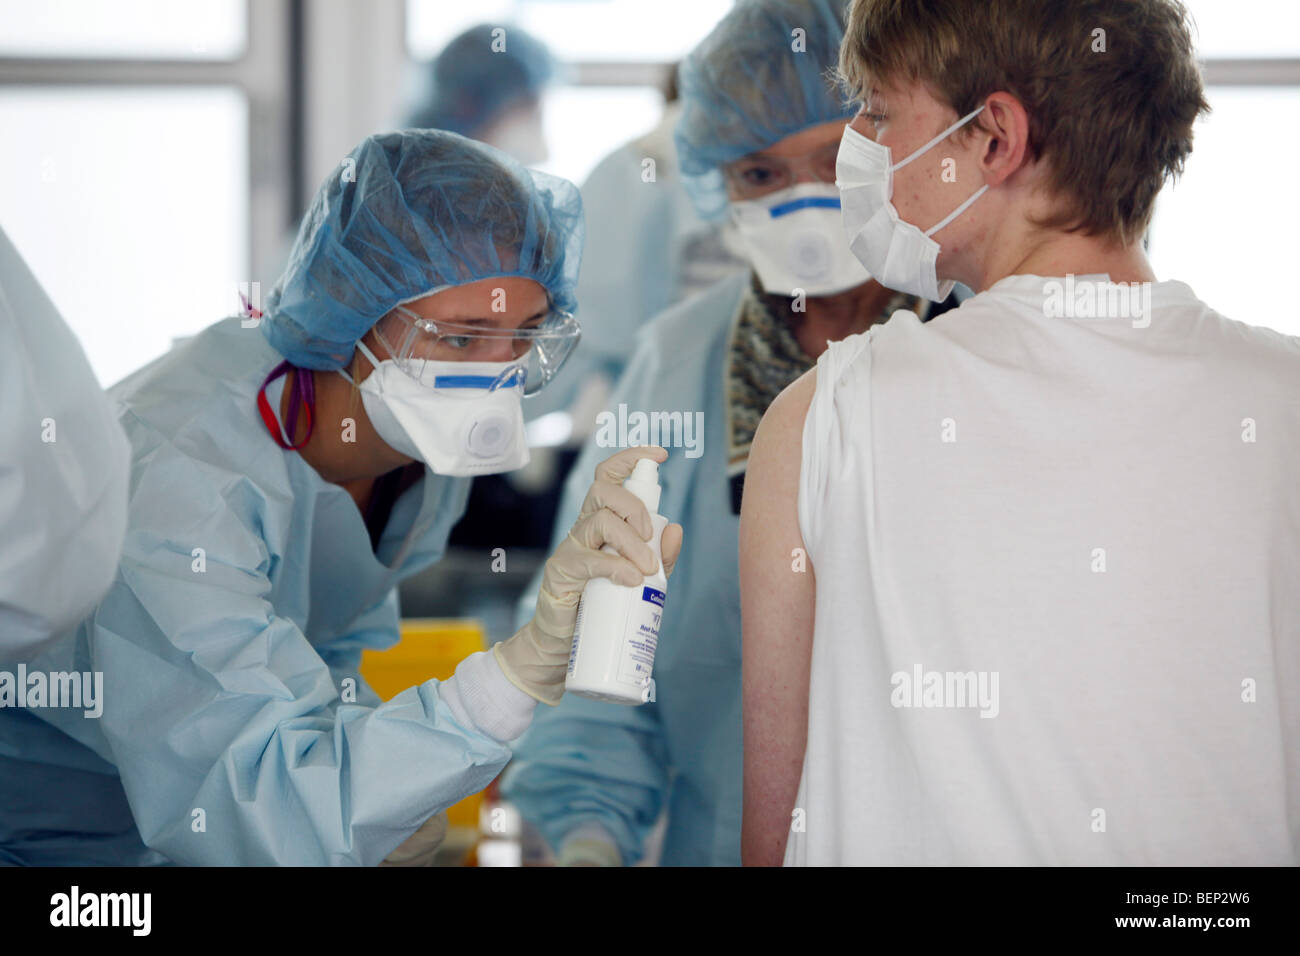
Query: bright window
(597, 31)
(625, 112)
(1242, 29)
(134, 29)
(1227, 228)
(130, 204)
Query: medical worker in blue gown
(758, 139)
(287, 471)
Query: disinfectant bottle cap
(644, 483)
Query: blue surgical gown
(235, 727)
(63, 470)
(592, 761)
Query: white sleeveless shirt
(1058, 589)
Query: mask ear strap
(941, 137)
(368, 354)
(956, 212)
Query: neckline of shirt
(1025, 285)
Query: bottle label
(577, 633)
(642, 637)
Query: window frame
(264, 73)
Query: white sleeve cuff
(480, 696)
(590, 843)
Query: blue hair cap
(407, 213)
(765, 72)
(480, 74)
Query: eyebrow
(758, 155)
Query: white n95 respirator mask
(794, 239)
(899, 255)
(462, 419)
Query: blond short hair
(1110, 125)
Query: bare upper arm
(776, 594)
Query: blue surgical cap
(407, 213)
(753, 81)
(474, 79)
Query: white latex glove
(536, 658)
(421, 846)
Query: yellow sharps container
(430, 647)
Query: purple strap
(302, 389)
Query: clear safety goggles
(421, 347)
(759, 173)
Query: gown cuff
(480, 695)
(592, 844)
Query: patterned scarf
(763, 358)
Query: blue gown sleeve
(592, 761)
(225, 723)
(377, 629)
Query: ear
(1006, 125)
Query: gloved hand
(536, 658)
(420, 847)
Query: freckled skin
(994, 237)
(777, 620)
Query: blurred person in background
(488, 84)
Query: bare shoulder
(785, 416)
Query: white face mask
(899, 255)
(470, 422)
(794, 239)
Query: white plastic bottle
(617, 632)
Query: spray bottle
(617, 630)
